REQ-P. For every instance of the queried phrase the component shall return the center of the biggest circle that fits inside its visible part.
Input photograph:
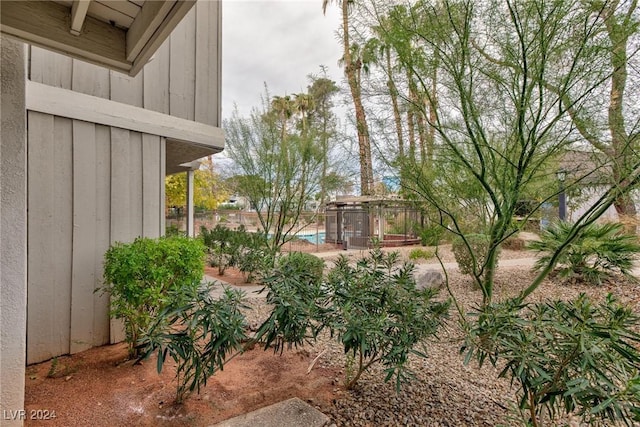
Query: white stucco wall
(13, 232)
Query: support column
(193, 166)
(190, 215)
(13, 232)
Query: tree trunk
(433, 106)
(620, 142)
(351, 70)
(393, 92)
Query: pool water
(312, 237)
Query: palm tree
(322, 90)
(283, 107)
(352, 69)
(303, 104)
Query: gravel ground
(445, 392)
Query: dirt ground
(99, 388)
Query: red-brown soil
(100, 388)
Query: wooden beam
(178, 11)
(79, 106)
(78, 14)
(45, 23)
(145, 24)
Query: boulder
(429, 279)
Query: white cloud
(277, 42)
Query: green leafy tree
(208, 188)
(280, 167)
(322, 90)
(511, 78)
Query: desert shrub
(199, 335)
(564, 356)
(146, 275)
(173, 231)
(237, 248)
(375, 310)
(222, 245)
(597, 253)
(255, 257)
(294, 288)
(514, 243)
(417, 253)
(470, 253)
(295, 262)
(432, 235)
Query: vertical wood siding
(90, 186)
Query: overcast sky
(278, 42)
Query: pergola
(355, 222)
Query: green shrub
(198, 335)
(146, 275)
(296, 293)
(598, 252)
(470, 253)
(298, 262)
(431, 236)
(255, 257)
(237, 248)
(173, 231)
(418, 253)
(565, 357)
(222, 245)
(375, 310)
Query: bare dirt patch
(99, 387)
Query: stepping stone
(291, 413)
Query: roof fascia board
(47, 24)
(178, 11)
(145, 25)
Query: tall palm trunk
(351, 70)
(410, 118)
(620, 139)
(393, 92)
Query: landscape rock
(429, 279)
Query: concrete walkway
(252, 291)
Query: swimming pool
(312, 237)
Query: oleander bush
(564, 357)
(199, 335)
(379, 315)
